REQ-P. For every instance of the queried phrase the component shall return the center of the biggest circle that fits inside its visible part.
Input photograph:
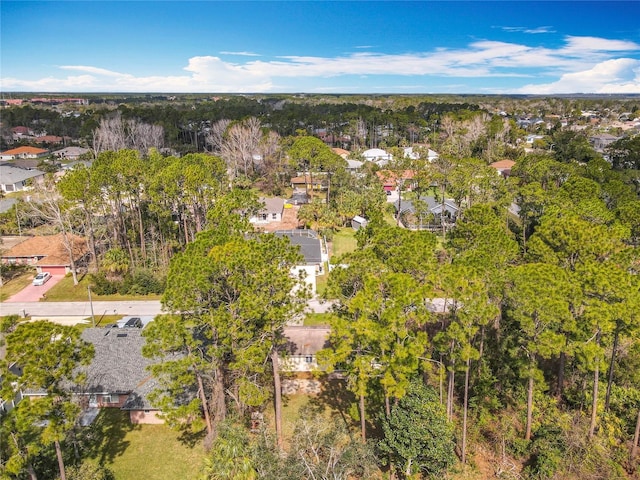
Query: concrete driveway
(31, 293)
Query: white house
(378, 156)
(14, 179)
(271, 212)
(23, 152)
(303, 343)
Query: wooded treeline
(514, 336)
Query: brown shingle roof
(51, 248)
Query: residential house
(118, 375)
(47, 253)
(313, 249)
(409, 152)
(70, 153)
(429, 215)
(271, 212)
(315, 182)
(354, 166)
(503, 167)
(377, 156)
(51, 139)
(341, 151)
(602, 141)
(303, 343)
(23, 152)
(21, 132)
(392, 181)
(14, 179)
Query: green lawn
(315, 319)
(150, 452)
(66, 291)
(14, 285)
(344, 241)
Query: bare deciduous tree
(116, 134)
(241, 145)
(215, 136)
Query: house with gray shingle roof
(14, 179)
(270, 212)
(118, 375)
(313, 249)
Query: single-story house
(15, 179)
(391, 181)
(314, 251)
(354, 166)
(341, 151)
(21, 131)
(503, 167)
(409, 152)
(23, 152)
(53, 139)
(71, 153)
(377, 156)
(47, 253)
(303, 343)
(431, 216)
(313, 182)
(602, 141)
(271, 212)
(117, 376)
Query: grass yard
(66, 291)
(13, 286)
(315, 319)
(150, 452)
(344, 241)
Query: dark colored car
(133, 322)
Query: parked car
(134, 322)
(41, 278)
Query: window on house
(274, 216)
(308, 359)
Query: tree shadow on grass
(335, 396)
(191, 439)
(104, 439)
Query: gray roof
(308, 242)
(118, 365)
(10, 175)
(306, 340)
(7, 203)
(272, 205)
(434, 206)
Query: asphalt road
(70, 309)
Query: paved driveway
(31, 293)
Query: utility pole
(93, 318)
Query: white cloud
(621, 75)
(93, 70)
(535, 30)
(582, 64)
(242, 54)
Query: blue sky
(542, 47)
